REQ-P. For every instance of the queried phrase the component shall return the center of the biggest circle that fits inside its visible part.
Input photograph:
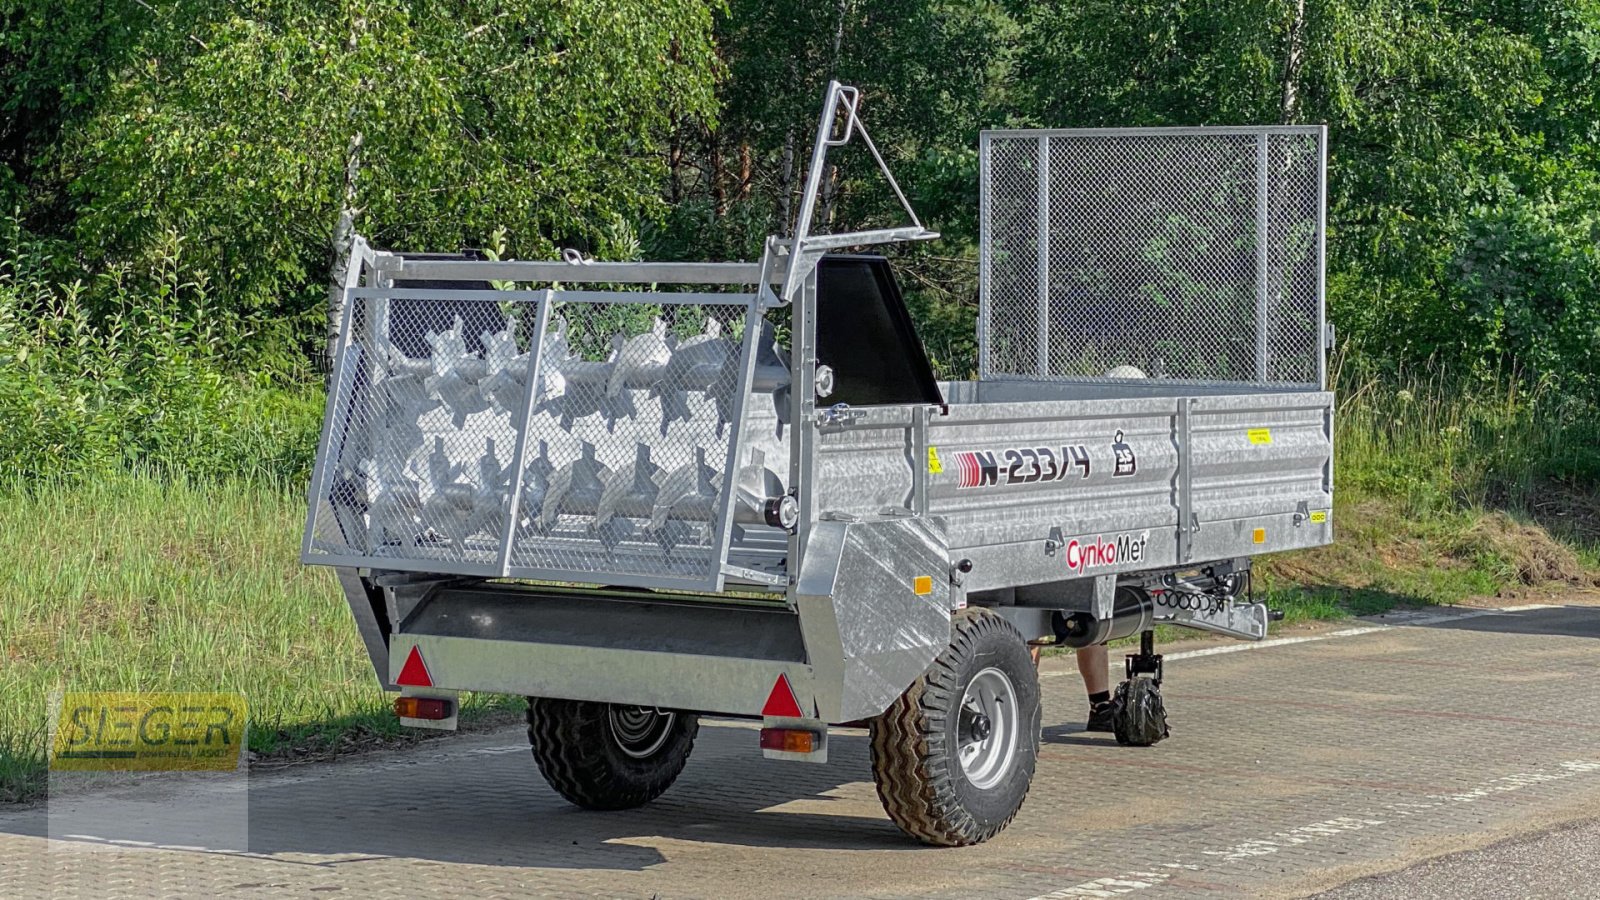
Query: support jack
(1138, 715)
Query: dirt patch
(333, 744)
(1530, 553)
(1568, 511)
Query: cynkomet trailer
(638, 493)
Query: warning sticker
(1260, 435)
(154, 731)
(934, 466)
(1320, 515)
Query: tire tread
(909, 760)
(569, 739)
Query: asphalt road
(1563, 862)
(1295, 766)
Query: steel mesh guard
(441, 454)
(629, 442)
(1189, 254)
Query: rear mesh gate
(1191, 254)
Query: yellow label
(922, 584)
(934, 465)
(1260, 435)
(1320, 515)
(149, 731)
(1260, 536)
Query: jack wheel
(1138, 716)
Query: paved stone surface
(1293, 767)
(1564, 862)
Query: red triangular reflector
(782, 701)
(415, 672)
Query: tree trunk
(830, 195)
(345, 231)
(675, 165)
(744, 171)
(719, 179)
(786, 186)
(343, 236)
(1294, 51)
(830, 174)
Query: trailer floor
(1293, 767)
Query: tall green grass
(143, 371)
(1446, 441)
(137, 582)
(1448, 487)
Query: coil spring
(1188, 601)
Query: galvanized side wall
(866, 468)
(1038, 492)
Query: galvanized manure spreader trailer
(639, 493)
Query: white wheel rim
(640, 730)
(987, 754)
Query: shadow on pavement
(1073, 733)
(1564, 621)
(488, 805)
(495, 809)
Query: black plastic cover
(864, 333)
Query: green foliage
(147, 383)
(1527, 277)
(236, 126)
(1438, 441)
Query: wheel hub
(987, 728)
(981, 726)
(640, 730)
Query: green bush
(148, 379)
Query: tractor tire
(954, 755)
(607, 756)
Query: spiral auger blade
(698, 365)
(575, 488)
(535, 484)
(641, 360)
(689, 494)
(455, 374)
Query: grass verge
(133, 582)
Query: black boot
(1099, 717)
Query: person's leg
(1094, 664)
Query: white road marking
(1404, 621)
(1147, 876)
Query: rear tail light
(790, 740)
(422, 708)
